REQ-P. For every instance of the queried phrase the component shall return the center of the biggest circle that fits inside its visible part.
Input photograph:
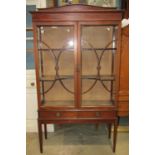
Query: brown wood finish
(36, 59)
(40, 135)
(77, 114)
(123, 105)
(115, 135)
(77, 15)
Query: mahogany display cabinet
(77, 62)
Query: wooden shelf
(71, 49)
(87, 77)
(52, 77)
(102, 77)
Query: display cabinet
(77, 61)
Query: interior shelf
(101, 77)
(71, 49)
(52, 77)
(87, 77)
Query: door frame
(36, 59)
(79, 58)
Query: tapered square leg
(40, 136)
(109, 130)
(115, 135)
(45, 130)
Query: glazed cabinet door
(98, 46)
(56, 53)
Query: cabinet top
(76, 12)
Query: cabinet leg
(40, 136)
(45, 130)
(118, 120)
(109, 130)
(115, 135)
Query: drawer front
(96, 114)
(57, 114)
(77, 114)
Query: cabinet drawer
(96, 114)
(57, 114)
(75, 114)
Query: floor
(80, 139)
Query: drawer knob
(32, 84)
(58, 114)
(97, 114)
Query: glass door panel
(56, 69)
(98, 47)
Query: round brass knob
(32, 84)
(58, 114)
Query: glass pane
(98, 46)
(56, 57)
